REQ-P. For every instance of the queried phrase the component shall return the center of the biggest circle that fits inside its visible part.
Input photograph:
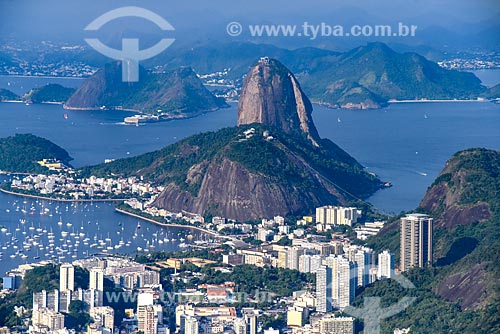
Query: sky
(202, 20)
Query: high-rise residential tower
(416, 241)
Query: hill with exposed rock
(177, 93)
(274, 163)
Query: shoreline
(3, 172)
(434, 101)
(167, 224)
(40, 76)
(334, 106)
(30, 103)
(116, 209)
(65, 107)
(12, 101)
(60, 199)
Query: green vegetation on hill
(429, 314)
(78, 317)
(461, 293)
(387, 75)
(273, 174)
(49, 93)
(367, 76)
(20, 153)
(171, 163)
(355, 95)
(7, 95)
(178, 92)
(249, 278)
(270, 158)
(479, 181)
(36, 280)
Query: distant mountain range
(370, 75)
(365, 77)
(178, 92)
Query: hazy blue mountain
(178, 92)
(364, 77)
(6, 95)
(49, 93)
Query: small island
(51, 93)
(22, 152)
(157, 96)
(6, 95)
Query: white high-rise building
(385, 267)
(293, 255)
(66, 277)
(50, 319)
(316, 261)
(416, 241)
(96, 279)
(240, 326)
(149, 315)
(146, 319)
(96, 283)
(344, 282)
(324, 289)
(191, 325)
(145, 298)
(250, 320)
(47, 299)
(364, 257)
(336, 215)
(305, 263)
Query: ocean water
(32, 230)
(21, 85)
(406, 144)
(489, 78)
(90, 137)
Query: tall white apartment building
(336, 215)
(66, 277)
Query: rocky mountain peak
(271, 95)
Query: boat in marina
(40, 237)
